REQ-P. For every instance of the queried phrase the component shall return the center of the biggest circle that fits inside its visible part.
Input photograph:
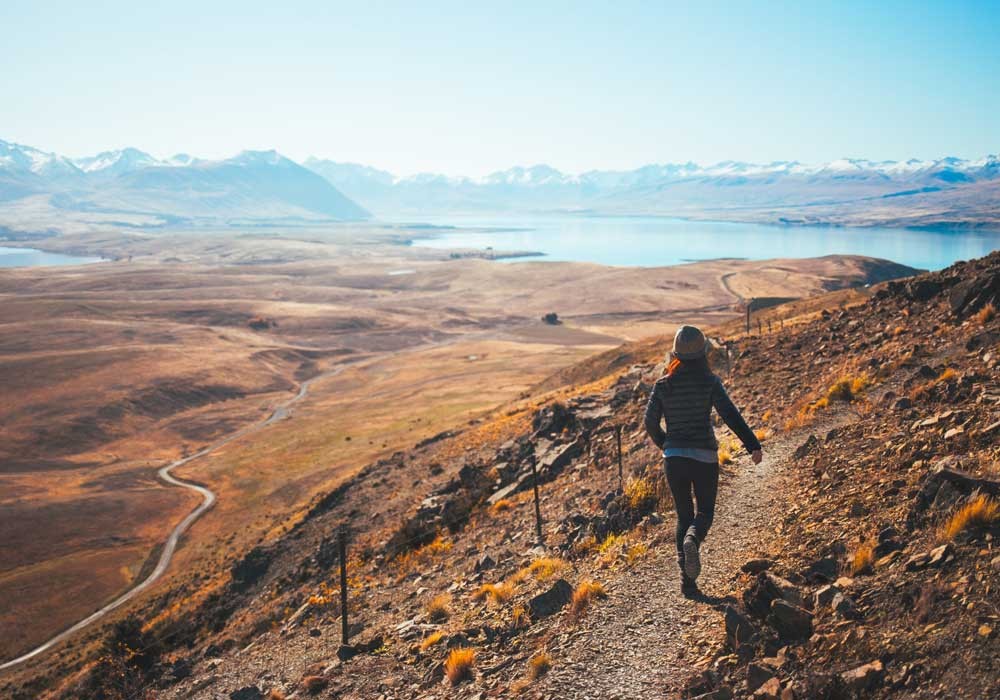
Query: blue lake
(654, 241)
(29, 257)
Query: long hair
(699, 364)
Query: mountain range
(251, 185)
(267, 185)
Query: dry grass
(496, 593)
(728, 448)
(519, 617)
(439, 607)
(985, 314)
(981, 511)
(949, 374)
(276, 694)
(459, 665)
(502, 506)
(431, 639)
(763, 434)
(315, 684)
(862, 560)
(586, 592)
(407, 561)
(848, 388)
(539, 665)
(545, 568)
(767, 416)
(641, 494)
(635, 553)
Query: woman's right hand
(756, 456)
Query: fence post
(538, 507)
(618, 439)
(749, 304)
(342, 546)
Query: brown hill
(858, 561)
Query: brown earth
(880, 465)
(116, 369)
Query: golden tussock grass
(640, 492)
(431, 639)
(519, 617)
(762, 434)
(459, 665)
(496, 593)
(586, 592)
(545, 568)
(949, 374)
(539, 665)
(635, 553)
(728, 448)
(502, 506)
(767, 416)
(985, 314)
(862, 559)
(981, 511)
(439, 607)
(276, 695)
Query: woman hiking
(684, 399)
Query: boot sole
(692, 558)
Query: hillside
(837, 568)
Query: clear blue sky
(449, 87)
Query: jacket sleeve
(732, 417)
(654, 414)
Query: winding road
(281, 412)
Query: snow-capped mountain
(252, 184)
(659, 188)
(113, 163)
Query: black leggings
(683, 474)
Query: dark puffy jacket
(685, 401)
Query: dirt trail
(640, 642)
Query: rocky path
(644, 641)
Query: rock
(823, 597)
(790, 621)
(485, 563)
(806, 447)
(822, 571)
(844, 606)
(756, 566)
(939, 555)
(250, 692)
(757, 675)
(864, 677)
(902, 403)
(765, 589)
(552, 600)
(552, 419)
(739, 629)
(771, 690)
(346, 652)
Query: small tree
(551, 318)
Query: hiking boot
(692, 559)
(689, 587)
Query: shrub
(862, 560)
(494, 592)
(502, 506)
(585, 593)
(981, 511)
(539, 665)
(545, 568)
(641, 494)
(314, 684)
(986, 314)
(519, 617)
(459, 665)
(431, 639)
(439, 607)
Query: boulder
(864, 678)
(756, 566)
(739, 629)
(250, 692)
(757, 675)
(790, 621)
(822, 570)
(552, 600)
(771, 690)
(767, 588)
